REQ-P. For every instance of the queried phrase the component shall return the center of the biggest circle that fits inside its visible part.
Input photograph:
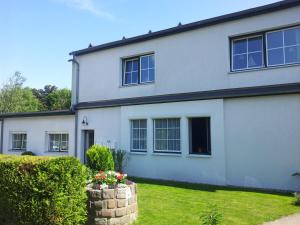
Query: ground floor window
(58, 142)
(167, 135)
(138, 135)
(199, 136)
(19, 141)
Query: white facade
(254, 139)
(37, 129)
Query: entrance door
(88, 141)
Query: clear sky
(36, 36)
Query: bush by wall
(42, 190)
(27, 153)
(100, 158)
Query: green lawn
(172, 203)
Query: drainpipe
(2, 130)
(73, 107)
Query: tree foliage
(16, 98)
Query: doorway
(88, 141)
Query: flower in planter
(109, 178)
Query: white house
(215, 101)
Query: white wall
(191, 61)
(36, 128)
(262, 136)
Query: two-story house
(215, 101)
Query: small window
(139, 70)
(167, 135)
(19, 141)
(283, 46)
(58, 142)
(247, 53)
(139, 135)
(199, 136)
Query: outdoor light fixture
(84, 121)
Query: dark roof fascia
(192, 26)
(36, 114)
(291, 88)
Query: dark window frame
(209, 145)
(265, 52)
(138, 57)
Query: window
(267, 49)
(139, 135)
(58, 142)
(199, 136)
(167, 135)
(139, 70)
(247, 53)
(283, 46)
(19, 141)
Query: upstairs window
(19, 141)
(247, 53)
(283, 46)
(139, 70)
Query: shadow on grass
(206, 187)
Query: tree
(42, 94)
(15, 98)
(59, 99)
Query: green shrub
(100, 158)
(27, 153)
(120, 157)
(42, 190)
(297, 198)
(211, 216)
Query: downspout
(2, 131)
(73, 107)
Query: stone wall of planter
(112, 206)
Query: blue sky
(37, 35)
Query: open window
(199, 136)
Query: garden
(37, 190)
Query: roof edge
(279, 89)
(192, 26)
(36, 114)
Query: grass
(172, 203)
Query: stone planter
(112, 206)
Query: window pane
(135, 123)
(136, 144)
(292, 36)
(171, 145)
(151, 61)
(143, 133)
(128, 66)
(161, 134)
(255, 59)
(135, 65)
(161, 144)
(275, 56)
(255, 44)
(144, 62)
(127, 78)
(135, 134)
(292, 54)
(143, 123)
(134, 77)
(144, 75)
(240, 62)
(177, 145)
(240, 46)
(151, 75)
(275, 39)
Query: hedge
(42, 190)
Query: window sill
(137, 85)
(198, 156)
(57, 152)
(166, 154)
(263, 68)
(17, 150)
(138, 153)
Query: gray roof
(34, 114)
(192, 26)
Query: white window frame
(247, 53)
(139, 58)
(60, 144)
(283, 46)
(139, 139)
(154, 137)
(22, 141)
